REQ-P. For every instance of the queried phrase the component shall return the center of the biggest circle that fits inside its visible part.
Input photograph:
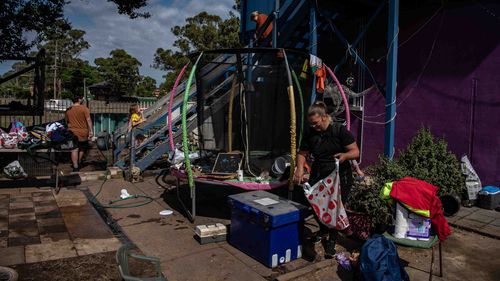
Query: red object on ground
(423, 196)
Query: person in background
(136, 117)
(80, 124)
(327, 141)
(260, 19)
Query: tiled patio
(37, 226)
(482, 221)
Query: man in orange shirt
(260, 19)
(80, 124)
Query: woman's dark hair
(76, 98)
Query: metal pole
(275, 23)
(392, 67)
(55, 72)
(313, 45)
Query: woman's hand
(298, 176)
(341, 156)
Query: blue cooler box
(266, 227)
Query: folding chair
(122, 257)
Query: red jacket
(422, 195)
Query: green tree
(63, 46)
(201, 32)
(146, 87)
(40, 17)
(121, 70)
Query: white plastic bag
(472, 181)
(14, 170)
(326, 201)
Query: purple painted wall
(441, 68)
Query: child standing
(136, 117)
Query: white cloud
(107, 30)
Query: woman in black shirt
(325, 142)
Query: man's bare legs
(75, 153)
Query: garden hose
(185, 145)
(297, 84)
(172, 94)
(94, 201)
(293, 127)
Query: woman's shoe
(330, 249)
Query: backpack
(379, 261)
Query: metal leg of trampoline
(191, 215)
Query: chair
(430, 244)
(122, 258)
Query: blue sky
(107, 30)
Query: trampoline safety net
(243, 104)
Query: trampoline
(256, 107)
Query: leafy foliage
(426, 158)
(121, 70)
(145, 87)
(18, 17)
(201, 32)
(365, 198)
(41, 17)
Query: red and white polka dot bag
(325, 199)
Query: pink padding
(172, 94)
(243, 185)
(344, 98)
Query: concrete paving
(482, 221)
(37, 226)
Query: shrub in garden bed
(426, 158)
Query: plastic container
(489, 197)
(266, 227)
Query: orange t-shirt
(76, 117)
(261, 19)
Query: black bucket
(451, 204)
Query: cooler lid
(268, 208)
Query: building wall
(454, 58)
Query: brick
(21, 205)
(23, 241)
(480, 218)
(21, 211)
(470, 224)
(496, 222)
(49, 221)
(54, 237)
(12, 256)
(52, 228)
(491, 230)
(50, 251)
(23, 224)
(22, 217)
(94, 246)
